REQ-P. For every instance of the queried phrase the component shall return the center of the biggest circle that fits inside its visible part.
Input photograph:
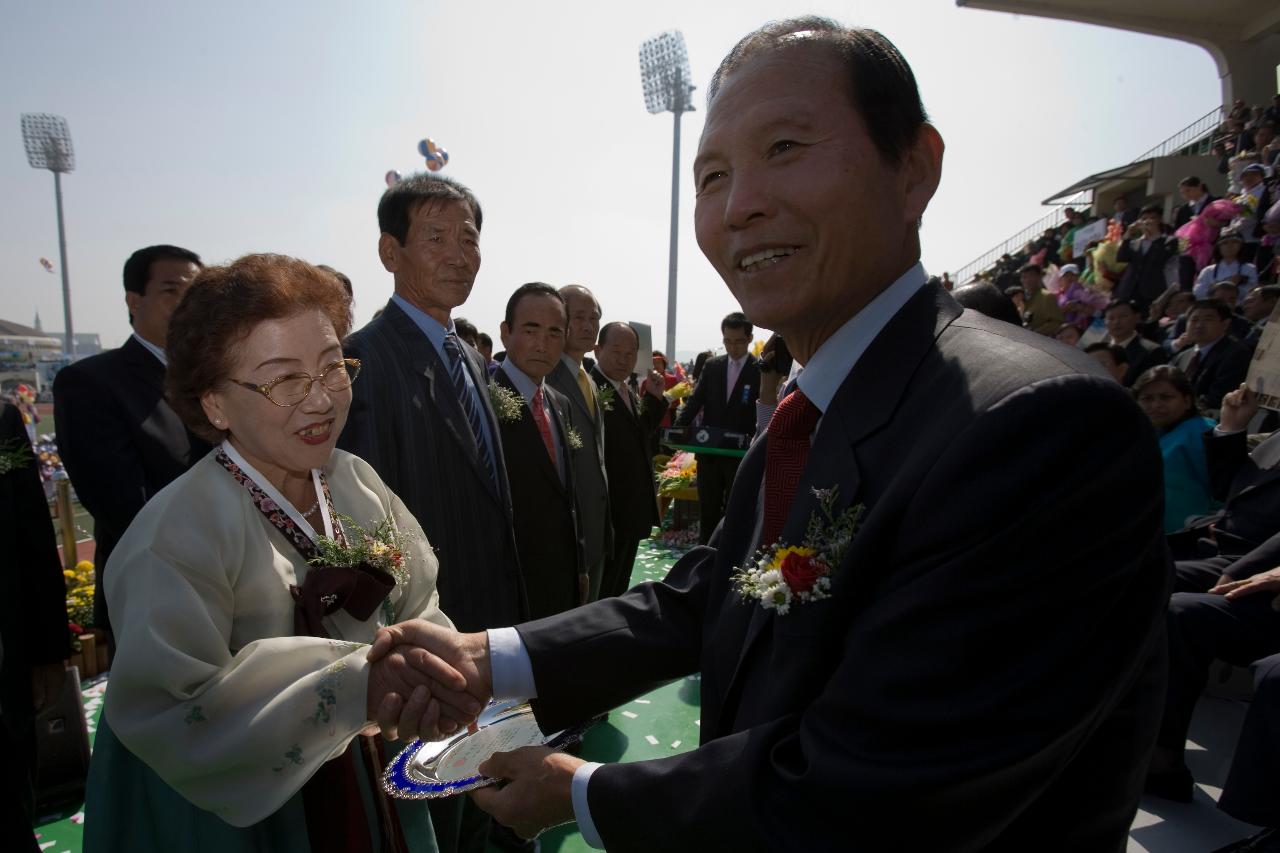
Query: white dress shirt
(158, 352)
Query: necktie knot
(794, 418)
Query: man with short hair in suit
(1122, 320)
(539, 443)
(930, 694)
(117, 436)
(571, 377)
(1195, 195)
(725, 396)
(1216, 362)
(1148, 251)
(421, 416)
(630, 421)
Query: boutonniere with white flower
(572, 438)
(383, 548)
(780, 575)
(606, 397)
(507, 404)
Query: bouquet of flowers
(679, 391)
(381, 548)
(680, 472)
(80, 583)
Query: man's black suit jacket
(1183, 213)
(120, 442)
(979, 675)
(1143, 355)
(33, 596)
(1143, 280)
(734, 412)
(589, 474)
(628, 436)
(548, 538)
(407, 422)
(1248, 484)
(1219, 372)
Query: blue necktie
(470, 407)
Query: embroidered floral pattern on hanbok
(274, 512)
(327, 691)
(293, 756)
(195, 715)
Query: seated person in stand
(1113, 359)
(1215, 362)
(245, 597)
(1166, 396)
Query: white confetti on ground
(698, 723)
(628, 715)
(675, 744)
(642, 701)
(653, 741)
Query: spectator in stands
(1215, 363)
(1113, 359)
(1229, 267)
(1255, 200)
(484, 344)
(1256, 309)
(1141, 354)
(1249, 792)
(466, 331)
(1248, 484)
(1147, 251)
(1042, 313)
(1069, 334)
(1272, 113)
(1123, 212)
(1078, 302)
(1019, 299)
(986, 299)
(1265, 140)
(1168, 399)
(1228, 294)
(1195, 195)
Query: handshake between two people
(429, 682)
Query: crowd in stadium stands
(1175, 311)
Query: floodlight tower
(664, 73)
(48, 144)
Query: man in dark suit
(34, 640)
(888, 710)
(421, 416)
(1216, 363)
(117, 436)
(630, 422)
(1146, 250)
(725, 396)
(1122, 320)
(571, 377)
(539, 443)
(1195, 195)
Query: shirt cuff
(1219, 431)
(581, 813)
(509, 665)
(764, 413)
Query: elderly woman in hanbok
(244, 596)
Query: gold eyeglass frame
(352, 366)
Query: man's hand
(423, 646)
(654, 385)
(1238, 408)
(539, 791)
(46, 681)
(1268, 582)
(425, 697)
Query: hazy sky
(236, 127)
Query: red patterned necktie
(544, 425)
(785, 457)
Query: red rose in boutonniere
(801, 571)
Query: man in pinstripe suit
(421, 417)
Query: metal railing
(1195, 138)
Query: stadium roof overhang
(1129, 172)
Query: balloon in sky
(392, 178)
(434, 163)
(444, 156)
(427, 147)
(48, 267)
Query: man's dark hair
(484, 340)
(1191, 181)
(1268, 291)
(699, 363)
(1157, 209)
(880, 83)
(1216, 305)
(1230, 284)
(736, 320)
(1118, 354)
(1035, 268)
(531, 289)
(406, 197)
(604, 331)
(986, 299)
(466, 330)
(1117, 303)
(137, 270)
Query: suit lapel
(535, 447)
(864, 403)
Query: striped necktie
(467, 399)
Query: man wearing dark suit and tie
(1195, 195)
(931, 694)
(1216, 363)
(421, 416)
(539, 444)
(630, 422)
(725, 396)
(1148, 250)
(571, 377)
(117, 436)
(1122, 320)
